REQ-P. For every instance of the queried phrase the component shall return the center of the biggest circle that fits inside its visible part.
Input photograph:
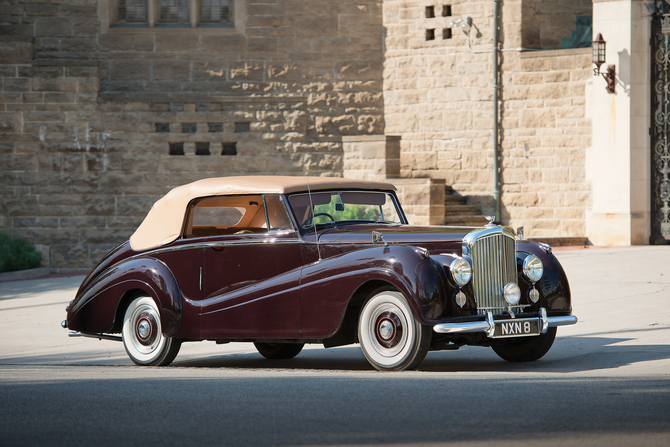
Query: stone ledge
(65, 62)
(354, 138)
(24, 274)
(561, 241)
(554, 53)
(193, 98)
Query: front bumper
(488, 326)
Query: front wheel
(279, 351)
(142, 335)
(390, 338)
(525, 349)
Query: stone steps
(465, 221)
(458, 213)
(461, 210)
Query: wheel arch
(127, 298)
(348, 331)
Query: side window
(219, 216)
(224, 215)
(277, 217)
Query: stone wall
(438, 97)
(98, 122)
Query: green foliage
(350, 212)
(17, 254)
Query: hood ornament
(490, 219)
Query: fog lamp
(512, 294)
(460, 299)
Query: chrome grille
(494, 266)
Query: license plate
(517, 328)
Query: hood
(433, 238)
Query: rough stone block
(246, 71)
(261, 44)
(176, 42)
(9, 123)
(170, 70)
(69, 256)
(53, 27)
(287, 71)
(17, 52)
(54, 84)
(316, 26)
(129, 70)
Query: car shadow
(569, 354)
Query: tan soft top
(164, 222)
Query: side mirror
(378, 238)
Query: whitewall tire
(389, 336)
(143, 337)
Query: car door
(251, 277)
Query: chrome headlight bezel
(461, 271)
(512, 294)
(533, 269)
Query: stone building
(107, 104)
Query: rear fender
(98, 309)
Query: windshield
(344, 206)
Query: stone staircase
(458, 213)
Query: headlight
(461, 271)
(533, 268)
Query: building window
(173, 11)
(132, 11)
(151, 13)
(215, 11)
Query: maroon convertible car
(284, 261)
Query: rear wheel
(142, 335)
(279, 351)
(389, 336)
(525, 349)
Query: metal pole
(496, 167)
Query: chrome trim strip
(488, 325)
(98, 336)
(217, 244)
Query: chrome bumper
(488, 326)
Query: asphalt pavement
(606, 380)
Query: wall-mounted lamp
(466, 24)
(599, 59)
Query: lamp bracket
(610, 77)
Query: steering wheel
(309, 219)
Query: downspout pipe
(496, 150)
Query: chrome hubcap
(386, 330)
(144, 329)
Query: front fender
(327, 286)
(96, 309)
